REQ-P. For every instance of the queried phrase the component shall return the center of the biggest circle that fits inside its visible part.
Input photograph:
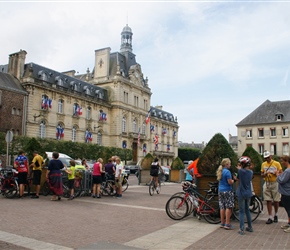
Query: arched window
(60, 106)
(42, 129)
(89, 112)
(134, 126)
(99, 138)
(13, 111)
(74, 134)
(124, 124)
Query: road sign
(9, 136)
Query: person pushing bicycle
(154, 171)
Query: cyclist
(154, 170)
(21, 164)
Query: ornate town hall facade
(109, 106)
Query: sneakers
(119, 196)
(99, 197)
(228, 227)
(287, 230)
(269, 221)
(222, 225)
(249, 229)
(93, 196)
(34, 197)
(71, 198)
(275, 219)
(157, 189)
(241, 232)
(285, 226)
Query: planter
(177, 175)
(202, 183)
(144, 176)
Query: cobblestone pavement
(137, 221)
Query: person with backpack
(154, 171)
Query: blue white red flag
(164, 131)
(168, 147)
(88, 136)
(174, 133)
(103, 116)
(152, 128)
(147, 120)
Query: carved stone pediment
(136, 75)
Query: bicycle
(255, 206)
(9, 184)
(177, 207)
(125, 182)
(107, 187)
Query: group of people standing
(276, 187)
(113, 168)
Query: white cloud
(210, 64)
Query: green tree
(188, 153)
(177, 164)
(147, 161)
(217, 149)
(256, 158)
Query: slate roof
(267, 113)
(159, 113)
(11, 83)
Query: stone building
(108, 105)
(266, 128)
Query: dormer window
(278, 117)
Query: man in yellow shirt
(36, 165)
(270, 169)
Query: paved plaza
(137, 221)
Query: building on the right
(266, 128)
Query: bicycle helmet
(245, 161)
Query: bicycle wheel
(45, 190)
(190, 205)
(107, 188)
(213, 216)
(158, 189)
(151, 188)
(176, 208)
(255, 209)
(12, 190)
(125, 184)
(66, 191)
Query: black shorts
(97, 179)
(36, 177)
(71, 183)
(22, 178)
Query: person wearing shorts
(97, 177)
(21, 164)
(226, 194)
(36, 165)
(270, 170)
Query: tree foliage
(188, 153)
(147, 161)
(75, 150)
(177, 164)
(256, 158)
(217, 149)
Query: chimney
(16, 63)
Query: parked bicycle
(256, 204)
(181, 205)
(107, 187)
(8, 182)
(125, 182)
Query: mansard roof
(64, 81)
(163, 115)
(267, 113)
(11, 83)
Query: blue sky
(209, 63)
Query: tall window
(145, 104)
(134, 126)
(285, 132)
(143, 128)
(99, 138)
(136, 101)
(261, 148)
(273, 149)
(13, 111)
(124, 124)
(42, 129)
(285, 148)
(18, 111)
(260, 132)
(273, 132)
(74, 134)
(60, 106)
(125, 97)
(89, 112)
(249, 133)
